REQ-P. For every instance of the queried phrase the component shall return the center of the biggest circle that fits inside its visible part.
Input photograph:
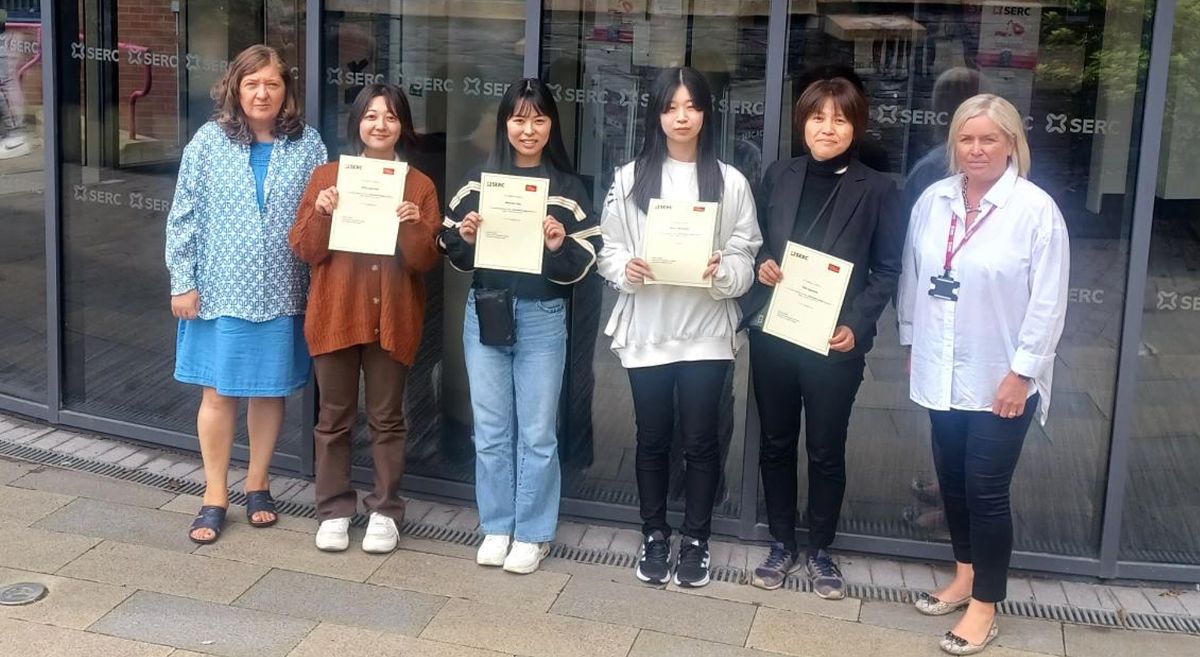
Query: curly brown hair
(227, 95)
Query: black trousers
(790, 381)
(976, 453)
(695, 387)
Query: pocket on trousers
(552, 306)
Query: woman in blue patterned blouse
(236, 287)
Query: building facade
(102, 96)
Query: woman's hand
(1011, 396)
(843, 338)
(408, 212)
(327, 200)
(638, 271)
(469, 227)
(769, 273)
(714, 262)
(186, 305)
(554, 232)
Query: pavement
(124, 581)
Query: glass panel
(22, 179)
(136, 88)
(917, 61)
(600, 59)
(454, 92)
(1162, 505)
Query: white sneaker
(381, 536)
(524, 558)
(493, 550)
(14, 146)
(333, 535)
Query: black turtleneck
(819, 181)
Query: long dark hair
(526, 97)
(227, 95)
(397, 104)
(647, 167)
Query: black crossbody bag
(494, 309)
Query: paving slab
(38, 550)
(349, 603)
(651, 608)
(23, 435)
(570, 533)
(1166, 602)
(627, 541)
(165, 571)
(71, 603)
(512, 629)
(117, 454)
(34, 640)
(190, 505)
(460, 578)
(203, 626)
(121, 522)
(856, 569)
(886, 573)
(1085, 641)
(466, 520)
(805, 603)
(804, 635)
(83, 484)
(443, 548)
(1018, 633)
(12, 470)
(918, 576)
(332, 639)
(597, 538)
(280, 548)
(657, 644)
(53, 439)
(1132, 599)
(1048, 592)
(19, 506)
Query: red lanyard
(952, 250)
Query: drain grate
(871, 592)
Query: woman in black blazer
(826, 200)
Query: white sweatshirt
(660, 324)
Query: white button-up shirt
(1012, 300)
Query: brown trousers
(337, 385)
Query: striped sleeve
(571, 206)
(450, 241)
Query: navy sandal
(210, 517)
(259, 501)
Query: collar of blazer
(787, 188)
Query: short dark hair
(227, 94)
(846, 97)
(397, 104)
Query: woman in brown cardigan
(365, 314)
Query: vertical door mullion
(313, 20)
(51, 183)
(533, 38)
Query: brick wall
(152, 24)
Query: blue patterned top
(260, 159)
(218, 240)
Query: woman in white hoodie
(677, 342)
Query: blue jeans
(514, 399)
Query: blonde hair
(1004, 115)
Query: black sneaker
(825, 576)
(780, 562)
(692, 569)
(654, 559)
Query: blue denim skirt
(239, 358)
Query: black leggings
(976, 453)
(698, 384)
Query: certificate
(805, 305)
(369, 191)
(678, 241)
(513, 209)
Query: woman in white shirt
(677, 342)
(982, 301)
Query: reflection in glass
(454, 62)
(600, 60)
(22, 233)
(1079, 100)
(1162, 505)
(136, 87)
